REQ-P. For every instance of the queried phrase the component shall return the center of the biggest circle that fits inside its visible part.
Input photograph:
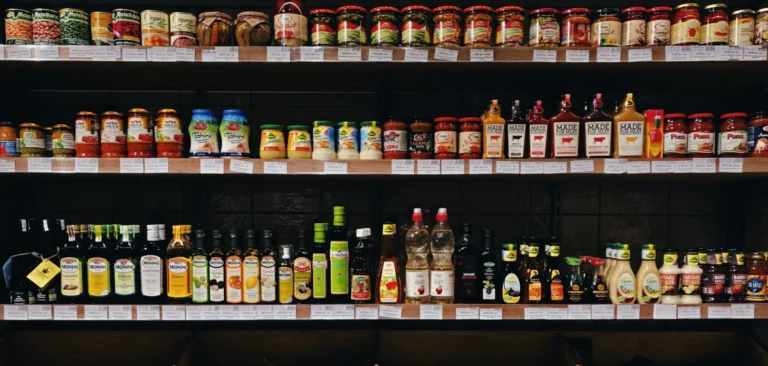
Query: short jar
(510, 30)
(544, 30)
(420, 144)
(701, 135)
(385, 26)
(658, 27)
(323, 140)
(575, 28)
(714, 28)
(445, 138)
(732, 134)
(347, 141)
(478, 26)
(370, 140)
(350, 26)
(633, 27)
(415, 26)
(395, 138)
(63, 141)
(447, 20)
(87, 135)
(606, 29)
(323, 31)
(272, 143)
(741, 31)
(9, 139)
(757, 134)
(31, 140)
(675, 135)
(686, 25)
(299, 142)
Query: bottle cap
(319, 226)
(338, 210)
(250, 234)
(364, 232)
(442, 214)
(267, 234)
(126, 229)
(233, 234)
(200, 234)
(572, 261)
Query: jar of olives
(385, 25)
(323, 27)
(350, 26)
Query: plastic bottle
(441, 275)
(417, 266)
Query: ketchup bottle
(538, 128)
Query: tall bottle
(285, 275)
(622, 281)
(735, 277)
(565, 131)
(360, 272)
(598, 126)
(389, 286)
(669, 274)
(268, 270)
(712, 279)
(648, 281)
(319, 265)
(339, 254)
(574, 281)
(200, 270)
(302, 270)
(493, 132)
(489, 280)
(538, 132)
(441, 272)
(125, 280)
(554, 278)
(99, 270)
(216, 263)
(690, 278)
(72, 264)
(517, 128)
(629, 130)
(532, 289)
(610, 261)
(466, 262)
(234, 270)
(178, 260)
(151, 267)
(522, 258)
(599, 286)
(417, 267)
(512, 285)
(251, 269)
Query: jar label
(271, 140)
(351, 33)
(516, 140)
(544, 31)
(112, 131)
(413, 32)
(597, 138)
(299, 140)
(575, 34)
(675, 143)
(606, 33)
(755, 287)
(478, 31)
(31, 139)
(761, 29)
(732, 142)
(125, 276)
(395, 141)
(566, 139)
(154, 28)
(234, 138)
(715, 32)
(630, 142)
(742, 32)
(323, 137)
(421, 141)
(183, 29)
(370, 138)
(86, 131)
(101, 28)
(360, 287)
(139, 131)
(445, 142)
(701, 143)
(348, 138)
(441, 283)
(510, 32)
(446, 31)
(633, 33)
(686, 32)
(168, 131)
(417, 283)
(323, 35)
(384, 32)
(538, 140)
(203, 137)
(657, 32)
(8, 148)
(290, 26)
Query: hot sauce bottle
(493, 132)
(735, 277)
(628, 127)
(537, 132)
(597, 131)
(565, 131)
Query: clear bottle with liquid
(251, 269)
(216, 263)
(200, 270)
(441, 272)
(417, 266)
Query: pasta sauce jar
(445, 138)
(742, 28)
(732, 135)
(757, 134)
(658, 26)
(141, 138)
(701, 135)
(168, 135)
(87, 135)
(714, 29)
(420, 146)
(544, 30)
(447, 21)
(395, 139)
(606, 29)
(478, 26)
(686, 26)
(112, 135)
(8, 140)
(470, 138)
(509, 26)
(633, 27)
(575, 28)
(675, 135)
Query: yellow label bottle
(285, 276)
(179, 266)
(493, 132)
(98, 277)
(251, 271)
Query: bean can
(18, 26)
(75, 29)
(154, 28)
(45, 26)
(125, 27)
(101, 28)
(183, 29)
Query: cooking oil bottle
(179, 267)
(417, 265)
(441, 275)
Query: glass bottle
(251, 269)
(99, 266)
(302, 270)
(532, 288)
(489, 283)
(216, 263)
(441, 272)
(598, 126)
(690, 278)
(712, 279)
(290, 23)
(510, 274)
(389, 285)
(516, 131)
(565, 131)
(575, 281)
(629, 130)
(669, 274)
(124, 282)
(599, 287)
(360, 273)
(523, 257)
(622, 280)
(466, 264)
(554, 278)
(339, 254)
(233, 272)
(285, 275)
(493, 132)
(268, 270)
(200, 291)
(72, 264)
(319, 283)
(417, 267)
(735, 277)
(151, 267)
(756, 273)
(538, 132)
(178, 256)
(648, 282)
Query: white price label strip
(403, 167)
(452, 167)
(156, 165)
(335, 168)
(65, 312)
(343, 312)
(39, 165)
(416, 55)
(557, 313)
(431, 312)
(731, 165)
(640, 55)
(528, 167)
(39, 312)
(446, 54)
(507, 167)
(602, 312)
(577, 56)
(535, 314)
(467, 313)
(350, 54)
(579, 312)
(663, 311)
(615, 166)
(211, 166)
(147, 312)
(391, 311)
(627, 312)
(86, 165)
(321, 312)
(480, 55)
(544, 55)
(285, 312)
(241, 166)
(379, 55)
(428, 167)
(120, 312)
(312, 54)
(480, 166)
(275, 167)
(96, 312)
(367, 313)
(131, 165)
(232, 54)
(490, 314)
(743, 311)
(174, 312)
(7, 166)
(15, 312)
(582, 166)
(689, 312)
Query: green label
(338, 220)
(339, 267)
(319, 273)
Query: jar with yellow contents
(299, 142)
(31, 140)
(272, 144)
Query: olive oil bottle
(302, 270)
(512, 286)
(151, 267)
(200, 269)
(268, 270)
(124, 263)
(178, 258)
(251, 269)
(234, 270)
(72, 263)
(339, 257)
(216, 277)
(285, 276)
(98, 266)
(319, 283)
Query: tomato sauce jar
(701, 135)
(675, 135)
(606, 29)
(509, 26)
(686, 25)
(714, 29)
(87, 135)
(659, 24)
(633, 26)
(112, 135)
(168, 135)
(445, 138)
(141, 139)
(9, 139)
(395, 139)
(421, 139)
(757, 134)
(470, 138)
(575, 28)
(732, 135)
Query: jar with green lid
(385, 26)
(415, 30)
(346, 136)
(350, 26)
(299, 142)
(31, 140)
(323, 141)
(370, 140)
(63, 141)
(272, 144)
(323, 32)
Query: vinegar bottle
(441, 274)
(389, 287)
(417, 266)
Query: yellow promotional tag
(44, 273)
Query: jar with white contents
(370, 141)
(346, 133)
(323, 140)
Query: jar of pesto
(323, 32)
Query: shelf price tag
(275, 167)
(147, 312)
(490, 314)
(285, 312)
(47, 52)
(80, 52)
(728, 53)
(609, 54)
(86, 165)
(228, 312)
(65, 312)
(232, 54)
(211, 166)
(212, 312)
(484, 166)
(683, 166)
(312, 54)
(703, 53)
(576, 55)
(2, 52)
(664, 311)
(39, 312)
(19, 52)
(195, 312)
(557, 167)
(15, 312)
(640, 55)
(507, 167)
(731, 165)
(96, 312)
(452, 167)
(265, 312)
(446, 54)
(579, 312)
(247, 312)
(639, 167)
(184, 54)
(353, 54)
(662, 167)
(557, 313)
(162, 54)
(208, 55)
(402, 167)
(528, 167)
(754, 53)
(156, 165)
(428, 167)
(689, 312)
(718, 312)
(615, 166)
(367, 313)
(480, 55)
(544, 55)
(705, 165)
(535, 314)
(343, 312)
(335, 168)
(742, 311)
(379, 55)
(602, 312)
(677, 53)
(431, 312)
(467, 313)
(416, 55)
(131, 54)
(7, 166)
(132, 165)
(582, 166)
(241, 166)
(120, 312)
(627, 312)
(321, 312)
(39, 165)
(391, 311)
(106, 53)
(174, 312)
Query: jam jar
(686, 25)
(658, 26)
(714, 28)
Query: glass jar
(742, 28)
(395, 139)
(732, 134)
(509, 26)
(252, 29)
(714, 29)
(272, 143)
(323, 27)
(447, 22)
(633, 27)
(385, 26)
(323, 141)
(686, 25)
(290, 23)
(370, 140)
(757, 134)
(63, 141)
(48, 137)
(445, 138)
(8, 139)
(606, 29)
(203, 134)
(544, 30)
(350, 26)
(299, 142)
(575, 28)
(675, 135)
(141, 138)
(415, 28)
(214, 29)
(235, 134)
(113, 138)
(348, 143)
(168, 135)
(659, 24)
(701, 135)
(87, 135)
(761, 26)
(420, 145)
(478, 26)
(470, 138)
(31, 140)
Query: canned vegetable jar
(575, 28)
(478, 26)
(323, 27)
(183, 29)
(686, 25)
(75, 27)
(350, 26)
(742, 28)
(414, 30)
(8, 139)
(252, 29)
(299, 142)
(45, 27)
(658, 26)
(112, 135)
(87, 135)
(385, 26)
(18, 26)
(544, 29)
(168, 135)
(31, 140)
(63, 141)
(126, 30)
(272, 144)
(154, 28)
(214, 29)
(714, 28)
(509, 26)
(448, 26)
(101, 28)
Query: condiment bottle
(756, 278)
(441, 271)
(648, 284)
(389, 289)
(417, 265)
(735, 277)
(516, 131)
(511, 285)
(597, 131)
(493, 132)
(555, 279)
(669, 273)
(622, 280)
(537, 132)
(610, 262)
(599, 287)
(690, 278)
(574, 281)
(532, 282)
(565, 131)
(489, 281)
(466, 262)
(629, 130)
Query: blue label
(8, 148)
(754, 284)
(757, 138)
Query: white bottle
(610, 263)
(622, 281)
(669, 272)
(648, 282)
(690, 279)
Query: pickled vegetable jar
(509, 26)
(447, 22)
(575, 28)
(214, 29)
(290, 23)
(658, 27)
(385, 26)
(633, 27)
(714, 29)
(272, 144)
(742, 28)
(252, 29)
(478, 26)
(415, 28)
(299, 142)
(686, 25)
(323, 27)
(31, 140)
(350, 26)
(544, 30)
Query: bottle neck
(319, 237)
(597, 105)
(338, 220)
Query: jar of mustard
(299, 142)
(272, 144)
(8, 139)
(63, 141)
(31, 140)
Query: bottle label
(651, 288)
(701, 142)
(302, 278)
(71, 276)
(445, 142)
(216, 272)
(630, 138)
(494, 137)
(555, 286)
(538, 141)
(566, 137)
(360, 287)
(441, 283)
(625, 289)
(713, 284)
(125, 276)
(598, 138)
(416, 283)
(511, 294)
(251, 270)
(675, 143)
(534, 287)
(732, 142)
(467, 275)
(516, 140)
(268, 279)
(737, 283)
(339, 267)
(319, 275)
(489, 281)
(388, 288)
(234, 289)
(690, 283)
(388, 229)
(755, 288)
(668, 284)
(179, 274)
(285, 278)
(600, 292)
(199, 278)
(151, 270)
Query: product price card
(228, 312)
(428, 167)
(639, 167)
(391, 311)
(662, 167)
(703, 53)
(350, 54)
(47, 52)
(161, 54)
(209, 55)
(705, 165)
(577, 56)
(557, 313)
(467, 313)
(80, 51)
(241, 166)
(718, 312)
(7, 166)
(507, 167)
(106, 53)
(275, 167)
(664, 311)
(528, 167)
(742, 311)
(131, 54)
(677, 53)
(174, 312)
(490, 314)
(602, 312)
(609, 54)
(232, 54)
(755, 53)
(379, 55)
(335, 168)
(403, 167)
(86, 165)
(615, 166)
(120, 312)
(321, 312)
(343, 312)
(211, 166)
(431, 312)
(484, 166)
(65, 312)
(132, 165)
(19, 52)
(731, 165)
(535, 314)
(215, 312)
(557, 167)
(446, 54)
(147, 312)
(2, 52)
(582, 166)
(39, 312)
(683, 166)
(39, 165)
(728, 53)
(96, 312)
(480, 55)
(544, 55)
(312, 54)
(627, 312)
(15, 312)
(195, 312)
(285, 312)
(416, 55)
(184, 54)
(367, 313)
(265, 312)
(156, 165)
(579, 312)
(452, 167)
(640, 55)
(689, 312)
(247, 312)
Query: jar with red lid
(112, 135)
(470, 138)
(445, 138)
(323, 28)
(509, 26)
(675, 135)
(575, 28)
(686, 25)
(395, 139)
(385, 26)
(447, 22)
(732, 135)
(415, 26)
(714, 28)
(701, 135)
(658, 26)
(87, 135)
(478, 26)
(544, 30)
(169, 137)
(141, 139)
(420, 146)
(757, 134)
(741, 31)
(633, 26)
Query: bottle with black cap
(268, 270)
(465, 262)
(302, 270)
(199, 269)
(151, 267)
(251, 269)
(489, 283)
(124, 264)
(216, 269)
(234, 270)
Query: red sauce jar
(757, 134)
(701, 135)
(732, 135)
(87, 135)
(141, 140)
(633, 26)
(420, 146)
(675, 135)
(714, 29)
(686, 26)
(445, 138)
(470, 138)
(575, 28)
(395, 139)
(658, 27)
(112, 135)
(168, 135)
